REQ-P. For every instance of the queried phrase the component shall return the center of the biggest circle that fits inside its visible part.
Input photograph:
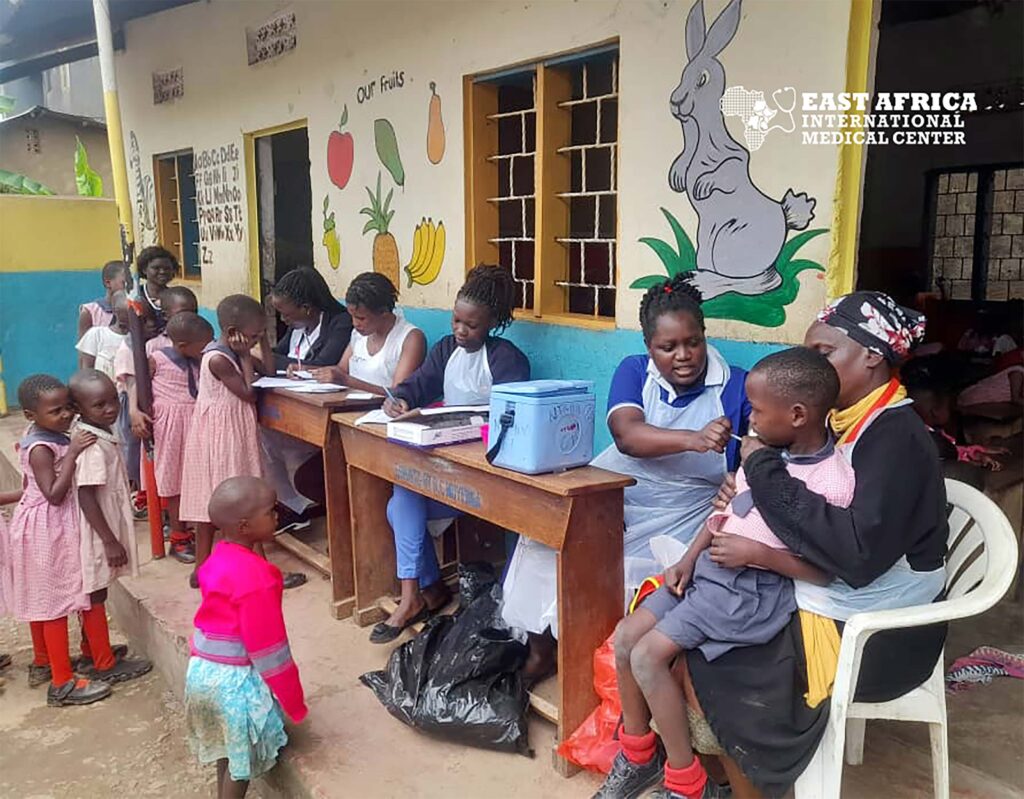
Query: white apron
(899, 587)
(467, 378)
(672, 497)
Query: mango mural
(435, 127)
(742, 264)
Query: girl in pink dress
(223, 440)
(100, 312)
(108, 548)
(175, 373)
(43, 575)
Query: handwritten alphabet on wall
(221, 211)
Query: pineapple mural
(385, 248)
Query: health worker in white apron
(672, 413)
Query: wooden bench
(307, 417)
(578, 513)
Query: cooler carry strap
(506, 420)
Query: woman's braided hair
(491, 286)
(33, 387)
(373, 291)
(669, 296)
(306, 286)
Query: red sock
(94, 622)
(638, 749)
(688, 781)
(56, 635)
(180, 536)
(86, 650)
(39, 656)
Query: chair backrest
(982, 555)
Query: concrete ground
(134, 742)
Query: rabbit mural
(741, 232)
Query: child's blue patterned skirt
(231, 714)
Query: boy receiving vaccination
(107, 528)
(241, 673)
(460, 369)
(223, 439)
(43, 573)
(733, 587)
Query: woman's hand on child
(395, 408)
(677, 576)
(115, 553)
(734, 551)
(749, 446)
(329, 374)
(714, 437)
(142, 424)
(725, 492)
(80, 440)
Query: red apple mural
(340, 153)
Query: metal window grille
(593, 190)
(516, 198)
(977, 249)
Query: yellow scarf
(846, 423)
(821, 651)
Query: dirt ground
(131, 744)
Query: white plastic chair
(980, 566)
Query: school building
(590, 146)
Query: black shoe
(5, 661)
(384, 633)
(288, 521)
(122, 670)
(81, 664)
(38, 675)
(76, 692)
(712, 790)
(294, 580)
(627, 780)
(184, 552)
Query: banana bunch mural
(428, 243)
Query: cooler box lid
(545, 388)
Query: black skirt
(753, 697)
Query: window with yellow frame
(542, 182)
(176, 212)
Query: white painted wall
(343, 45)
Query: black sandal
(294, 580)
(384, 633)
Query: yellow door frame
(249, 145)
(846, 206)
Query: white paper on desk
(298, 386)
(302, 374)
(442, 409)
(360, 395)
(373, 417)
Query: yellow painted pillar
(846, 205)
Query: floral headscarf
(876, 322)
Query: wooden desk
(307, 417)
(578, 513)
(991, 420)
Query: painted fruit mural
(340, 153)
(385, 248)
(427, 253)
(331, 241)
(435, 127)
(386, 142)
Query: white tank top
(379, 368)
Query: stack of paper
(298, 386)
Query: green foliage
(766, 310)
(13, 183)
(89, 183)
(379, 213)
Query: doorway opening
(283, 206)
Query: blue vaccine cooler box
(541, 425)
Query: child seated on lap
(734, 585)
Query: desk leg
(590, 595)
(373, 545)
(339, 526)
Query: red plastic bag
(593, 745)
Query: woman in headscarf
(886, 550)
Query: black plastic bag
(459, 678)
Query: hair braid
(492, 286)
(669, 296)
